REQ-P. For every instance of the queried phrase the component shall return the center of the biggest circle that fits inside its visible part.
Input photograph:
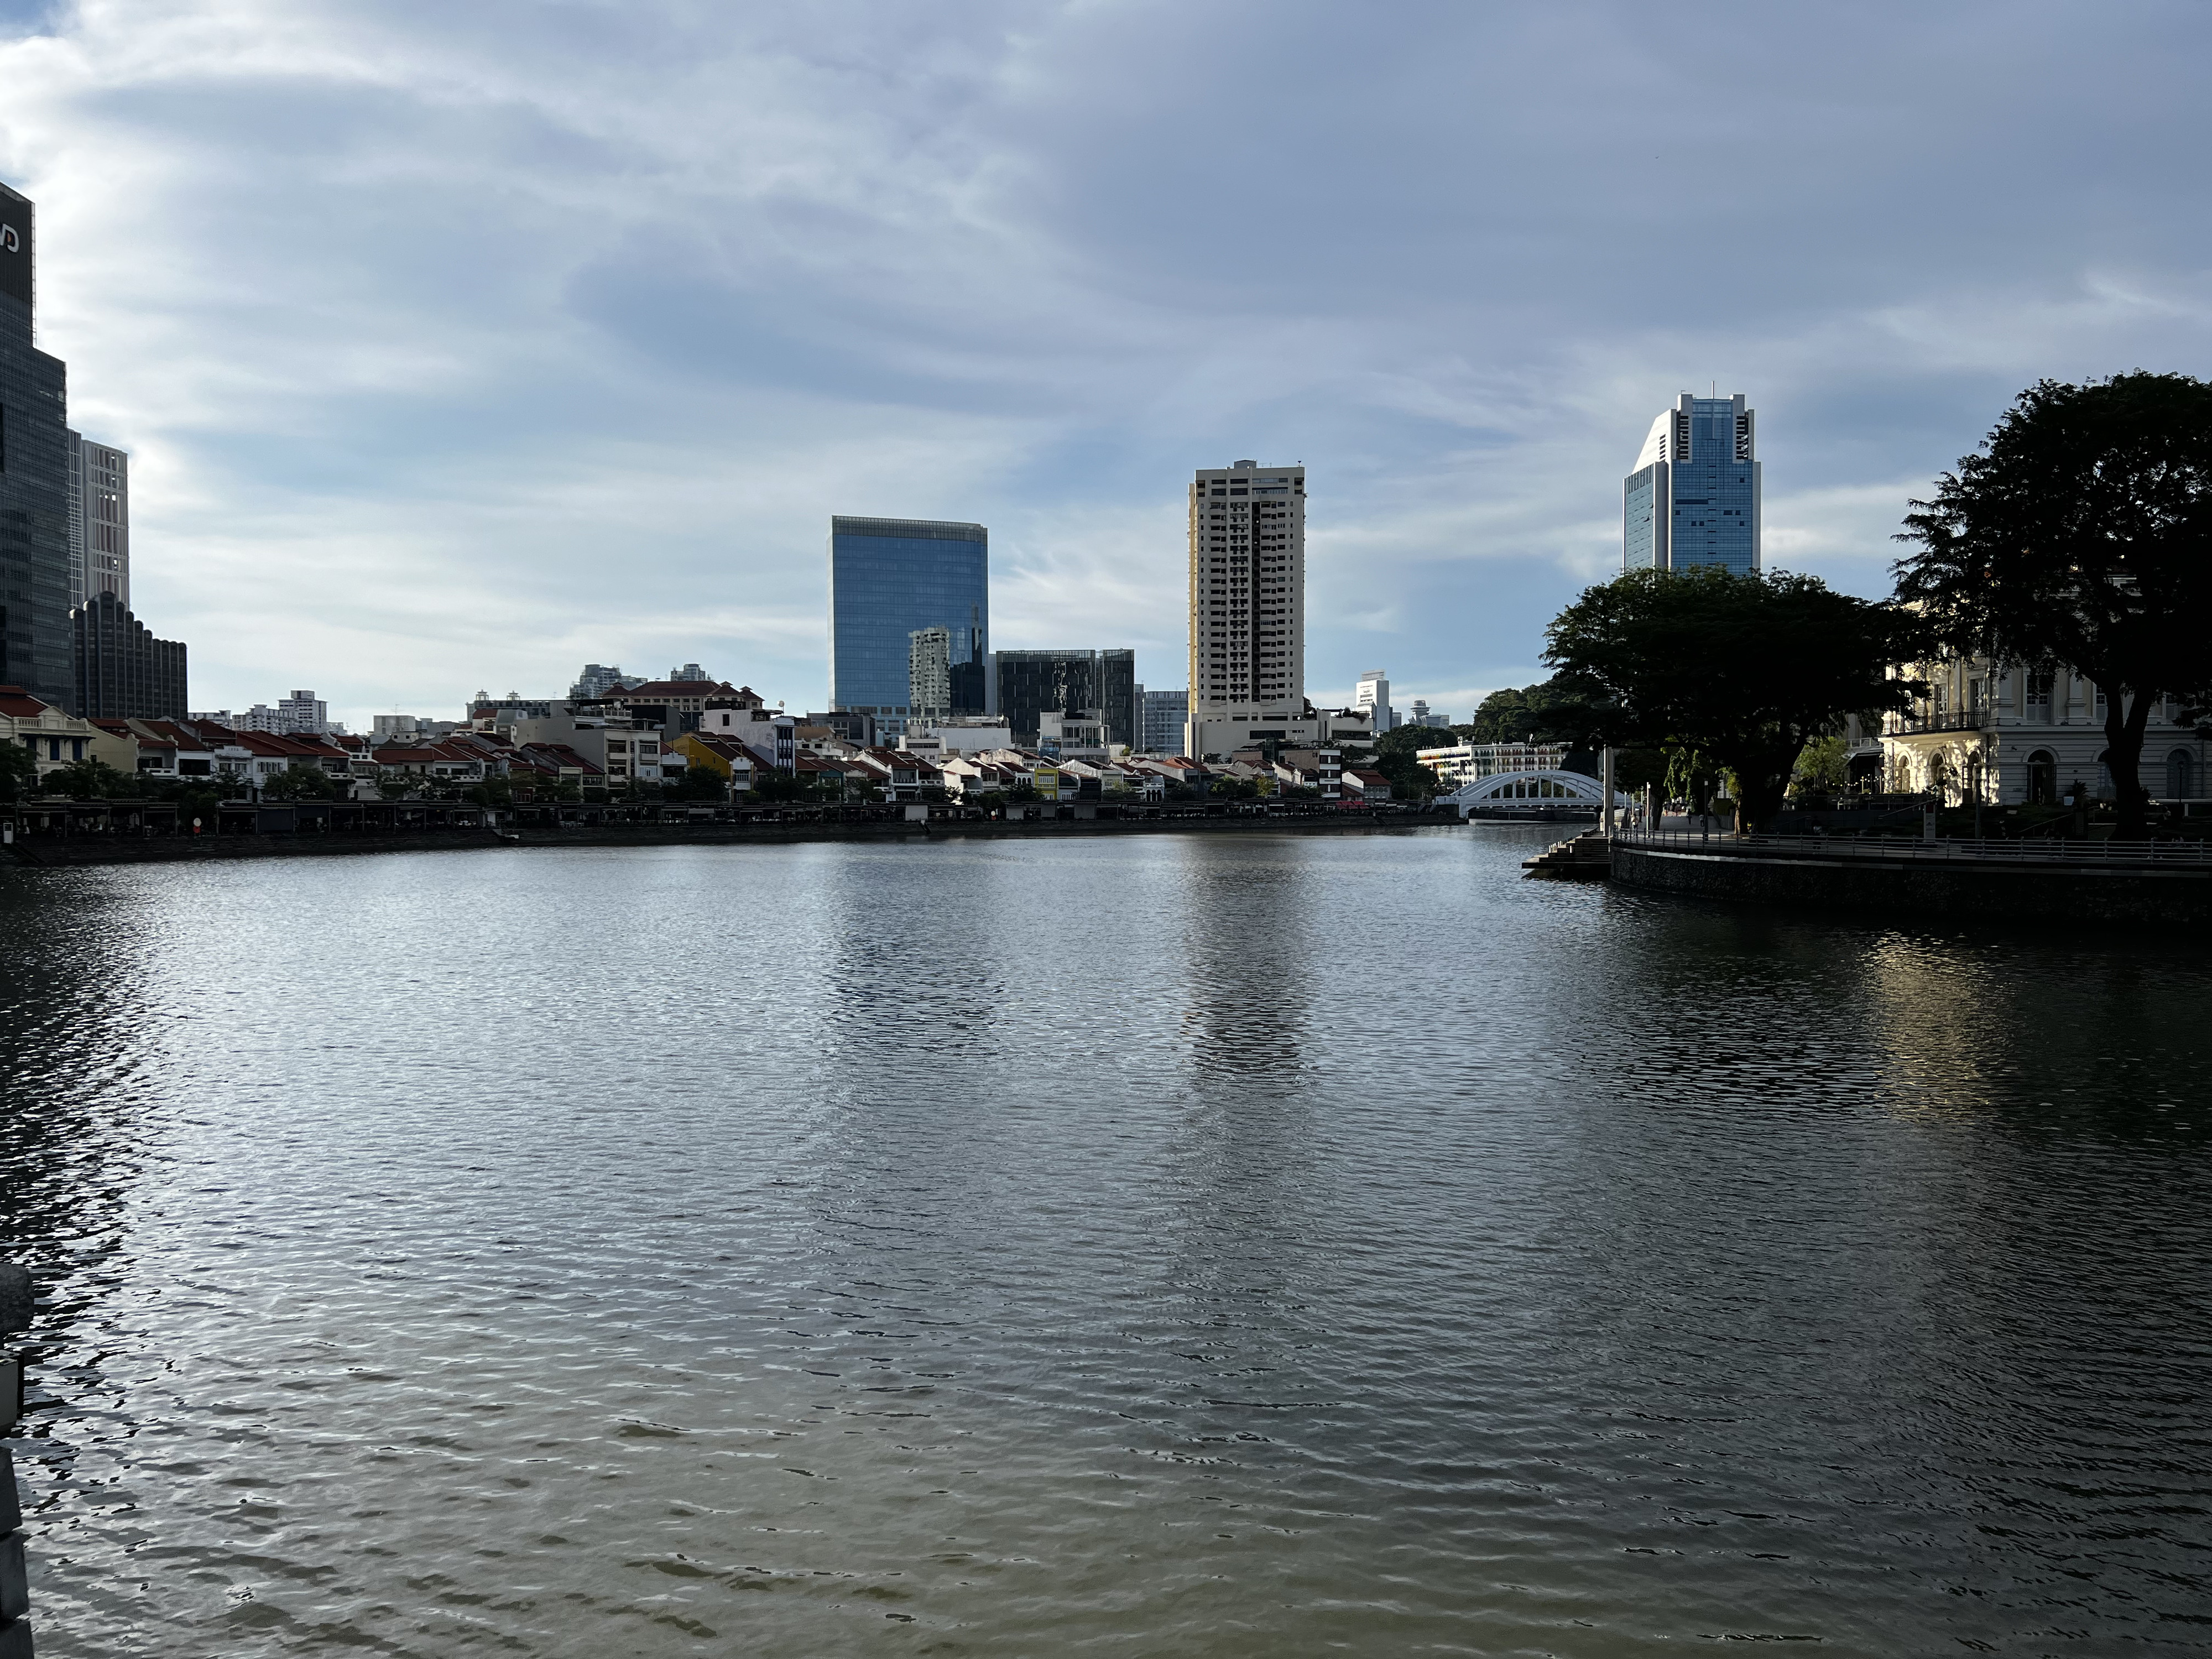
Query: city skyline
(584, 385)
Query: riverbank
(2106, 884)
(74, 851)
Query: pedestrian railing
(2197, 854)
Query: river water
(1252, 1245)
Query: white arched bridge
(1505, 792)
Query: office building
(1248, 571)
(890, 579)
(37, 637)
(1165, 714)
(1029, 684)
(929, 674)
(122, 671)
(1373, 695)
(98, 521)
(1693, 496)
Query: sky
(458, 345)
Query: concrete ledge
(2108, 894)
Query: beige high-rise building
(1248, 597)
(98, 521)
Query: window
(2039, 697)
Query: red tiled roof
(662, 690)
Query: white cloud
(457, 345)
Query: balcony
(1961, 720)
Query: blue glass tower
(889, 580)
(1693, 497)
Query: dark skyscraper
(123, 673)
(35, 526)
(1035, 683)
(890, 579)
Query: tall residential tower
(1248, 597)
(1693, 496)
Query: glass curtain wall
(890, 579)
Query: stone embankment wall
(1907, 888)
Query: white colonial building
(2019, 736)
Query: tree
(1694, 779)
(1825, 766)
(2082, 534)
(19, 771)
(1550, 712)
(299, 781)
(1744, 669)
(698, 783)
(89, 778)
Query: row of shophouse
(606, 746)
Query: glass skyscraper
(890, 579)
(35, 641)
(1033, 683)
(1693, 496)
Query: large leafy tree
(1550, 711)
(2082, 534)
(19, 771)
(90, 779)
(300, 782)
(1743, 670)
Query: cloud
(455, 345)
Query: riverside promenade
(2165, 885)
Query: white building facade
(1373, 695)
(2009, 736)
(1464, 763)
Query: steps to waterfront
(1586, 857)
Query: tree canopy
(1743, 669)
(302, 781)
(2082, 534)
(90, 779)
(19, 771)
(1551, 711)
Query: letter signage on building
(14, 246)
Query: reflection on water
(1247, 1246)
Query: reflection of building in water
(1989, 735)
(1252, 934)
